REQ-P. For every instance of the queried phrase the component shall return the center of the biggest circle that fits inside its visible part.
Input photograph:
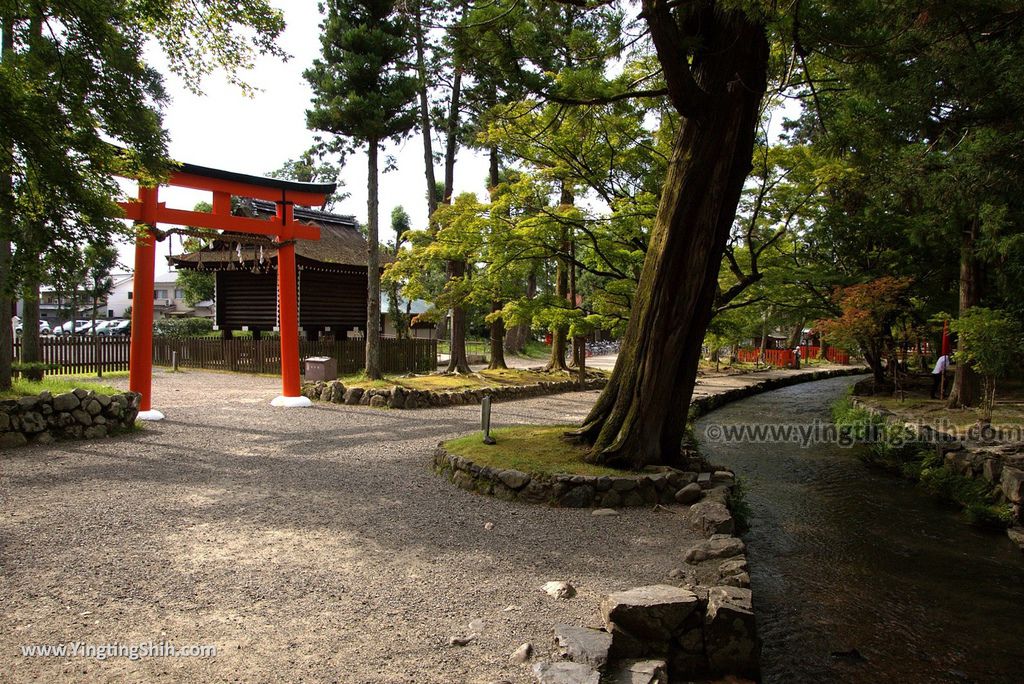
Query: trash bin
(321, 368)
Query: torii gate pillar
(288, 314)
(140, 368)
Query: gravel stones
(559, 590)
(522, 654)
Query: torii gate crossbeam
(148, 212)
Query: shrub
(183, 327)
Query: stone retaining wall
(698, 625)
(571, 491)
(705, 405)
(79, 414)
(999, 465)
(403, 398)
(657, 485)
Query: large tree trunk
(425, 124)
(6, 236)
(497, 360)
(560, 335)
(518, 335)
(372, 270)
(640, 417)
(497, 340)
(966, 382)
(31, 351)
(457, 363)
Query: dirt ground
(305, 544)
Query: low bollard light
(485, 420)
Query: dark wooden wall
(337, 300)
(246, 298)
(326, 299)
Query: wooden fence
(81, 355)
(77, 355)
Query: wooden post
(140, 370)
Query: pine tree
(364, 92)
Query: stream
(858, 575)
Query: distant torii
(148, 211)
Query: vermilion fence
(785, 358)
(82, 355)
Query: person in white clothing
(940, 369)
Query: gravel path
(307, 545)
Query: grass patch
(438, 382)
(536, 350)
(530, 449)
(935, 413)
(739, 506)
(27, 388)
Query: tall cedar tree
(714, 58)
(364, 91)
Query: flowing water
(859, 576)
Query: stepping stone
(584, 645)
(652, 613)
(640, 672)
(564, 672)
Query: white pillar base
(292, 402)
(151, 414)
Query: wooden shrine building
(330, 274)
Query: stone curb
(704, 405)
(80, 414)
(565, 491)
(402, 398)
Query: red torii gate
(148, 211)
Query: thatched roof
(340, 243)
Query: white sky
(224, 129)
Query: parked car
(75, 327)
(100, 327)
(69, 327)
(117, 327)
(44, 328)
